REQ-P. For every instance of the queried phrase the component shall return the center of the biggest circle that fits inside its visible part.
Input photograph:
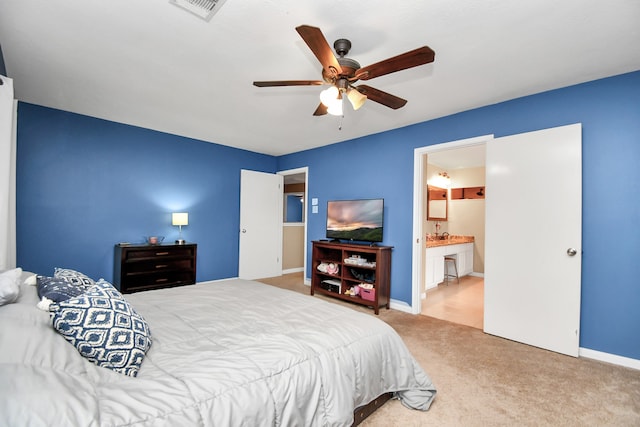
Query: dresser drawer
(146, 265)
(156, 280)
(159, 252)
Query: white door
(260, 225)
(533, 238)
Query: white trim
(8, 126)
(293, 270)
(207, 282)
(627, 362)
(305, 171)
(418, 225)
(400, 306)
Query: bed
(225, 353)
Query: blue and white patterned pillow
(57, 289)
(75, 277)
(104, 328)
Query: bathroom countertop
(450, 240)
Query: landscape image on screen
(359, 220)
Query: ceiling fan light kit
(332, 99)
(356, 98)
(342, 72)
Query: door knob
(244, 230)
(571, 252)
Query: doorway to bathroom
(457, 293)
(520, 169)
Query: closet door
(533, 238)
(260, 225)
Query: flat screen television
(355, 220)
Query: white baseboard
(609, 358)
(293, 270)
(216, 280)
(400, 306)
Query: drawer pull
(162, 280)
(162, 253)
(162, 266)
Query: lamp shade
(180, 218)
(356, 98)
(329, 96)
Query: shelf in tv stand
(351, 298)
(377, 265)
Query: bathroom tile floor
(457, 302)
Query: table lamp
(180, 219)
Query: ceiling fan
(342, 72)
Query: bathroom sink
(434, 241)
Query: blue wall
(609, 110)
(84, 184)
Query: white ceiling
(149, 63)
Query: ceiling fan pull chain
(342, 115)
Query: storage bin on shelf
(367, 293)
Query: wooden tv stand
(356, 264)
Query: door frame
(303, 170)
(417, 264)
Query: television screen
(358, 220)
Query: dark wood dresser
(144, 267)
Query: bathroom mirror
(437, 203)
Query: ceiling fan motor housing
(349, 66)
(342, 46)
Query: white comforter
(226, 353)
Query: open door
(533, 238)
(260, 225)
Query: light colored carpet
(484, 380)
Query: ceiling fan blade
(318, 44)
(321, 110)
(289, 83)
(422, 55)
(381, 97)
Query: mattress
(226, 353)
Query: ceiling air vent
(205, 9)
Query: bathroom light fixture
(180, 219)
(445, 179)
(442, 180)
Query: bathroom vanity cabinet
(435, 266)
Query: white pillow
(10, 285)
(31, 280)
